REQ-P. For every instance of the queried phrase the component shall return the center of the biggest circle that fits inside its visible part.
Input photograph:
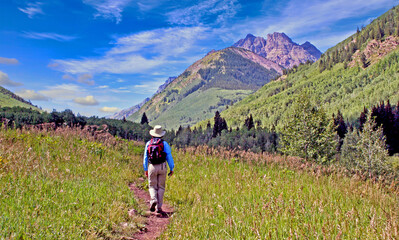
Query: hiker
(157, 152)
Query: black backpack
(155, 151)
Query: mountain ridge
(231, 69)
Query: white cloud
(87, 101)
(110, 109)
(31, 95)
(9, 61)
(103, 86)
(6, 81)
(108, 9)
(304, 17)
(163, 46)
(222, 10)
(48, 35)
(32, 9)
(63, 91)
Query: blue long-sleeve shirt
(166, 149)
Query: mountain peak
(250, 36)
(280, 49)
(281, 37)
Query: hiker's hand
(146, 173)
(170, 173)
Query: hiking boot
(152, 208)
(159, 210)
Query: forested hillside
(359, 72)
(218, 80)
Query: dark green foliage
(255, 140)
(219, 126)
(249, 122)
(144, 119)
(386, 117)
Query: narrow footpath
(156, 223)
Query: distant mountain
(129, 111)
(210, 84)
(359, 72)
(280, 49)
(9, 99)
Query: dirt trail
(156, 223)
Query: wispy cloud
(31, 95)
(8, 61)
(6, 81)
(48, 35)
(110, 109)
(85, 78)
(215, 11)
(86, 101)
(137, 53)
(62, 91)
(32, 9)
(108, 9)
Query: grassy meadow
(218, 196)
(67, 185)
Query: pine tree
(144, 119)
(249, 122)
(217, 125)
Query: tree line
(18, 117)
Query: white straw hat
(157, 131)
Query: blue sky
(96, 57)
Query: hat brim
(152, 133)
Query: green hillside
(219, 79)
(9, 99)
(360, 71)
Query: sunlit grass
(223, 198)
(63, 185)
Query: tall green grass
(224, 198)
(64, 185)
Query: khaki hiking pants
(156, 181)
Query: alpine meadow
(261, 137)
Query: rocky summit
(279, 48)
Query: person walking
(157, 152)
